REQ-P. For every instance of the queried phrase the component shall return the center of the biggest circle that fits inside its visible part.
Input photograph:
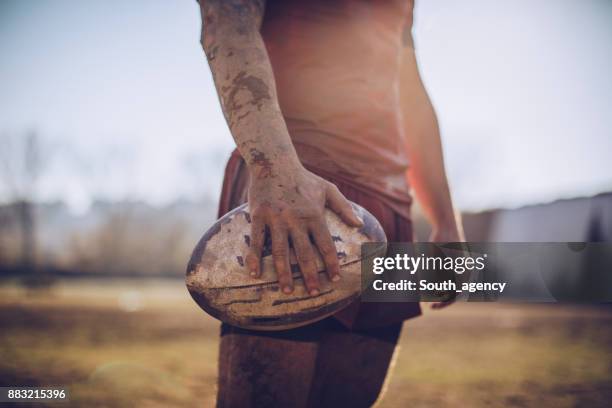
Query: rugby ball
(219, 282)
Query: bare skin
(426, 175)
(283, 196)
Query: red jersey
(336, 66)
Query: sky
(123, 102)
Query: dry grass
(144, 343)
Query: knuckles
(252, 260)
(332, 187)
(306, 258)
(279, 251)
(285, 214)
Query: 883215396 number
(14, 394)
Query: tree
(21, 165)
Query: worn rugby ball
(218, 280)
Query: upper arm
(227, 19)
(413, 95)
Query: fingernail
(314, 292)
(287, 289)
(253, 273)
(335, 278)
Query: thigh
(351, 366)
(320, 365)
(266, 369)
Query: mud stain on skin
(286, 196)
(260, 159)
(244, 115)
(212, 54)
(243, 82)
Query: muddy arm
(245, 83)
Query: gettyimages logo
(412, 264)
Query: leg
(351, 366)
(320, 365)
(266, 369)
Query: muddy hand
(291, 205)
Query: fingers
(327, 248)
(341, 206)
(305, 255)
(280, 252)
(253, 258)
(280, 255)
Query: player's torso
(336, 64)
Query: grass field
(145, 343)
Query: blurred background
(112, 151)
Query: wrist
(444, 225)
(449, 221)
(448, 230)
(261, 166)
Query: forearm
(426, 175)
(245, 83)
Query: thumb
(341, 206)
